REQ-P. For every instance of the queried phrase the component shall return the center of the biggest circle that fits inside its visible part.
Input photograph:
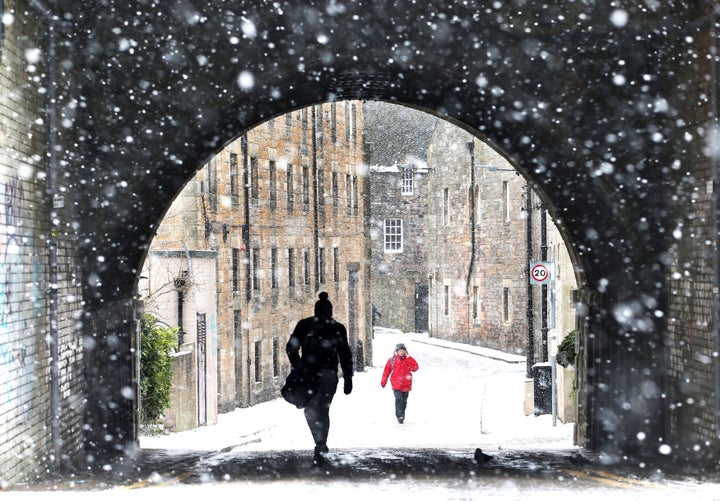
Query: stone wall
(478, 293)
(255, 204)
(396, 273)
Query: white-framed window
(393, 235)
(406, 185)
(506, 201)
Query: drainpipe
(471, 151)
(530, 317)
(52, 192)
(316, 220)
(246, 210)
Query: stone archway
(583, 100)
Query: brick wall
(26, 297)
(692, 359)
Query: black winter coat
(320, 343)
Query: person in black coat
(316, 346)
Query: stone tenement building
(399, 202)
(481, 215)
(270, 221)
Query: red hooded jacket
(399, 370)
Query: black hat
(323, 306)
(400, 346)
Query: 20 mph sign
(541, 272)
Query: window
(291, 268)
(258, 361)
(335, 195)
(446, 206)
(447, 300)
(319, 128)
(276, 357)
(256, 268)
(348, 193)
(475, 303)
(336, 265)
(273, 184)
(235, 269)
(333, 123)
(288, 126)
(273, 268)
(306, 188)
(321, 186)
(306, 259)
(393, 235)
(234, 182)
(321, 265)
(354, 126)
(355, 195)
(290, 187)
(506, 304)
(254, 181)
(406, 184)
(237, 331)
(305, 126)
(506, 201)
(348, 125)
(212, 185)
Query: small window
(273, 268)
(273, 184)
(235, 269)
(336, 265)
(306, 259)
(306, 188)
(290, 187)
(506, 304)
(256, 268)
(258, 361)
(506, 201)
(393, 235)
(291, 268)
(234, 180)
(254, 181)
(407, 181)
(321, 265)
(475, 303)
(276, 357)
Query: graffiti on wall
(16, 345)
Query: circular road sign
(540, 273)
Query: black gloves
(347, 388)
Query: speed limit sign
(540, 272)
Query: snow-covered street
(466, 401)
(463, 398)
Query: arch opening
(258, 201)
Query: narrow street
(460, 401)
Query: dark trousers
(317, 412)
(401, 398)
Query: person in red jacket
(399, 369)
